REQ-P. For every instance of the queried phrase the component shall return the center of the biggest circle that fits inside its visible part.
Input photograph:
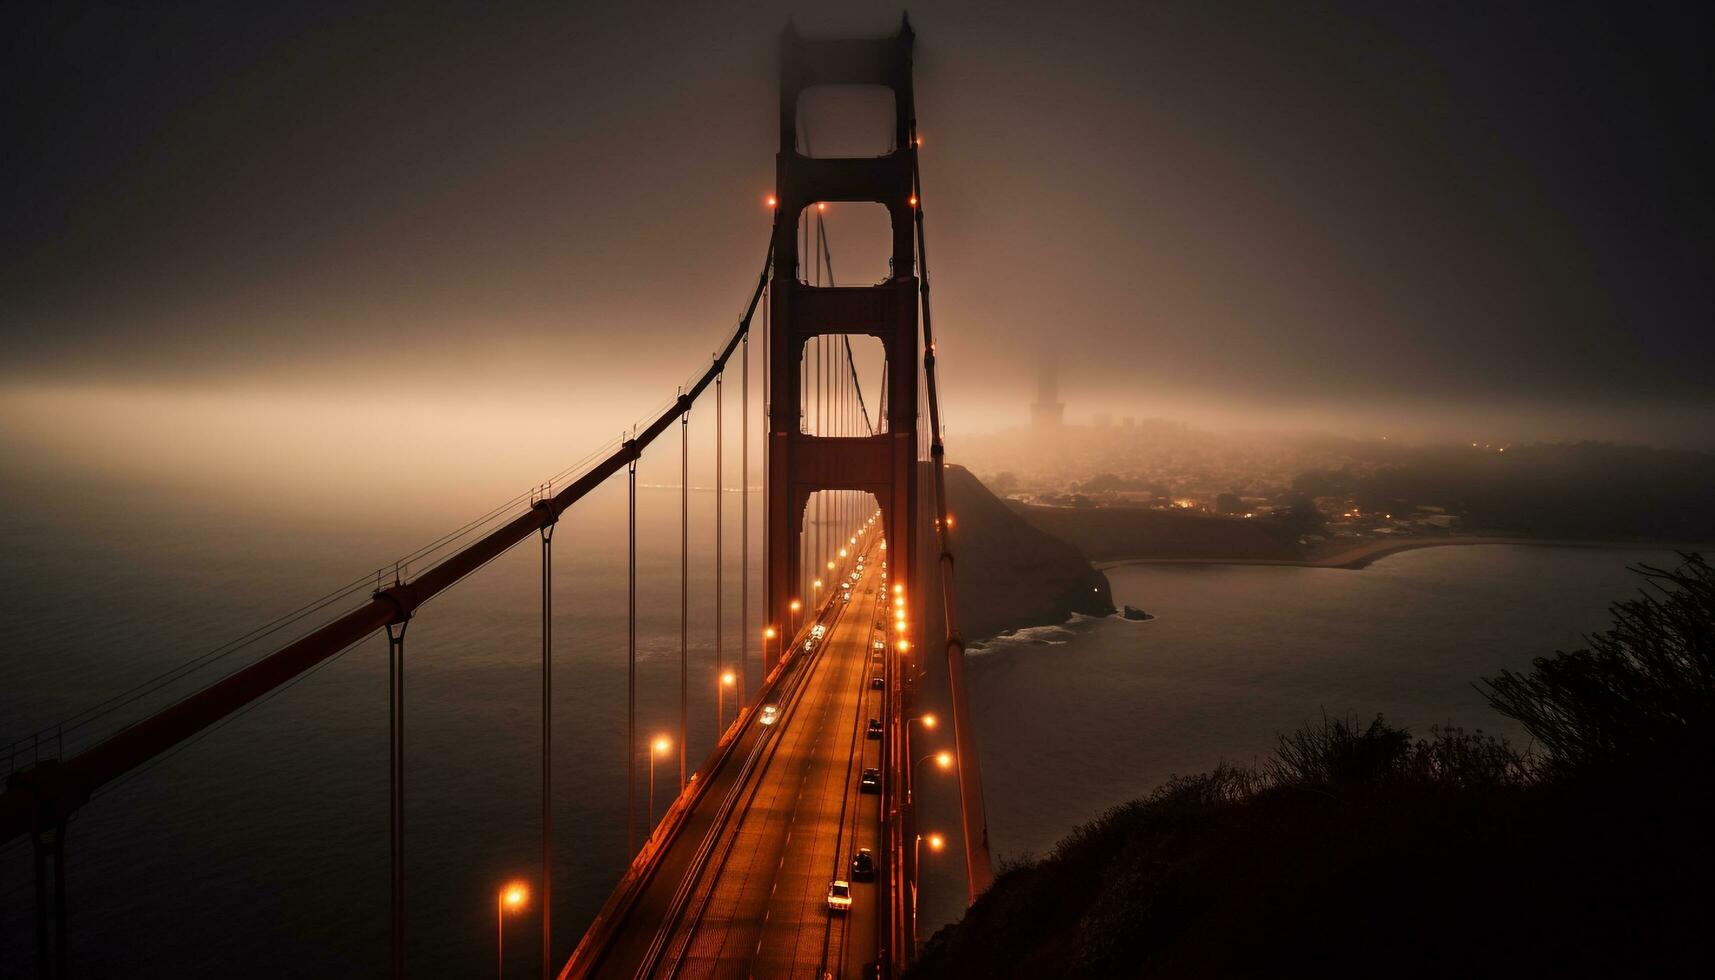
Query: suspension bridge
(794, 849)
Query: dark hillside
(1010, 573)
(1357, 851)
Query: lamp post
(767, 634)
(936, 843)
(793, 607)
(512, 897)
(728, 679)
(943, 759)
(655, 748)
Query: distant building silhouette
(1048, 413)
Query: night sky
(1438, 220)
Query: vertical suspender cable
(744, 517)
(684, 588)
(766, 397)
(547, 747)
(396, 784)
(720, 599)
(631, 660)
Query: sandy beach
(1360, 555)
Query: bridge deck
(750, 898)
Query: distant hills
(1579, 490)
(1587, 491)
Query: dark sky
(1430, 218)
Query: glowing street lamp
(928, 721)
(657, 747)
(794, 606)
(728, 679)
(511, 898)
(943, 760)
(935, 841)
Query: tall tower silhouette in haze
(1048, 412)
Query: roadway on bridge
(750, 899)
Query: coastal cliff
(1011, 573)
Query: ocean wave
(1052, 635)
(1055, 635)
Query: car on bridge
(870, 781)
(863, 865)
(818, 631)
(839, 895)
(770, 714)
(874, 728)
(877, 683)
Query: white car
(770, 714)
(839, 895)
(818, 631)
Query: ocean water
(261, 849)
(1083, 716)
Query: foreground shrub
(1644, 691)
